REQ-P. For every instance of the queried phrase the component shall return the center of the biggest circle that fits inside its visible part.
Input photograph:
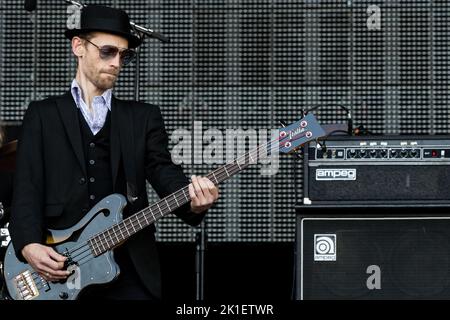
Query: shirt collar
(76, 92)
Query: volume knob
(63, 295)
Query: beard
(105, 80)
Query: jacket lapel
(122, 145)
(69, 115)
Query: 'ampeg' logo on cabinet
(324, 247)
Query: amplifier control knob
(404, 153)
(363, 153)
(393, 153)
(414, 153)
(352, 153)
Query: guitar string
(87, 250)
(142, 215)
(223, 173)
(168, 203)
(140, 218)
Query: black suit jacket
(50, 182)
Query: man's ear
(78, 48)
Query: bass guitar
(88, 245)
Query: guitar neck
(289, 138)
(121, 231)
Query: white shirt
(100, 106)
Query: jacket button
(82, 180)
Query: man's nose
(116, 61)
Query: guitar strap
(127, 152)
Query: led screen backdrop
(246, 65)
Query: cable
(322, 144)
(349, 114)
(327, 105)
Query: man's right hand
(46, 261)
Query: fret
(121, 233)
(176, 200)
(151, 212)
(132, 223)
(106, 240)
(138, 220)
(220, 175)
(101, 242)
(168, 206)
(186, 196)
(237, 162)
(97, 248)
(109, 235)
(226, 171)
(115, 233)
(145, 216)
(92, 246)
(159, 209)
(215, 178)
(231, 169)
(126, 228)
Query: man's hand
(46, 261)
(203, 194)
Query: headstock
(298, 133)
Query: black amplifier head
(378, 169)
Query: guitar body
(23, 283)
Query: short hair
(86, 35)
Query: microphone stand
(137, 69)
(35, 55)
(200, 248)
(31, 8)
(142, 32)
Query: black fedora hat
(105, 19)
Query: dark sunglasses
(108, 52)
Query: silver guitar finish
(23, 283)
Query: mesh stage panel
(246, 65)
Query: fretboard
(121, 231)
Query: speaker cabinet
(369, 256)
